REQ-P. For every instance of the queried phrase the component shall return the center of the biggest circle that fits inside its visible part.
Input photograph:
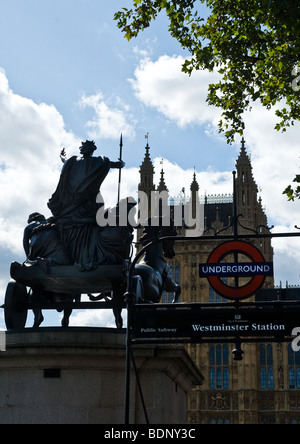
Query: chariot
(61, 288)
(70, 255)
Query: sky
(67, 74)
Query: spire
(243, 144)
(243, 159)
(147, 160)
(162, 184)
(147, 172)
(243, 164)
(195, 197)
(195, 186)
(247, 189)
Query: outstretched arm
(117, 165)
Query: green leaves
(292, 193)
(253, 44)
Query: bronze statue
(42, 240)
(155, 272)
(74, 205)
(72, 253)
(43, 247)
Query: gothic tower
(249, 205)
(146, 186)
(162, 184)
(232, 393)
(147, 174)
(246, 186)
(194, 196)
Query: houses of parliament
(264, 388)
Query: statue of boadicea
(74, 208)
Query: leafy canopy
(253, 44)
(293, 193)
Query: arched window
(270, 378)
(219, 371)
(263, 378)
(294, 369)
(215, 297)
(292, 378)
(266, 364)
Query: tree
(292, 193)
(253, 44)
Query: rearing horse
(155, 272)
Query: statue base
(77, 376)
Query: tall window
(266, 367)
(294, 369)
(219, 371)
(215, 297)
(167, 298)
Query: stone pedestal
(77, 376)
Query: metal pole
(235, 222)
(140, 389)
(120, 171)
(235, 216)
(129, 302)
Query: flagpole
(120, 171)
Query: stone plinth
(77, 376)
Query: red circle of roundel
(240, 292)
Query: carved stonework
(219, 401)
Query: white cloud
(129, 185)
(141, 53)
(32, 135)
(176, 178)
(275, 160)
(108, 122)
(93, 318)
(31, 138)
(163, 85)
(275, 157)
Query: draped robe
(74, 208)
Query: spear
(120, 171)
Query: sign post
(198, 323)
(233, 322)
(217, 268)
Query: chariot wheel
(15, 311)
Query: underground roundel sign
(217, 270)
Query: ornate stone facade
(264, 387)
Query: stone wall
(77, 376)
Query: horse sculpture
(156, 274)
